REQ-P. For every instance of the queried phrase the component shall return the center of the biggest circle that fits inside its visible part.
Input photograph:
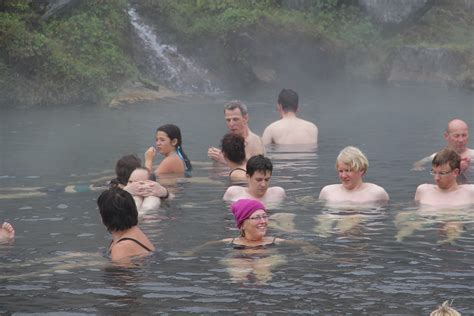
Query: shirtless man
(446, 167)
(237, 117)
(289, 129)
(457, 137)
(352, 164)
(259, 171)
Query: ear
(174, 141)
(446, 135)
(456, 171)
(246, 117)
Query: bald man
(457, 137)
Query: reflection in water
(449, 223)
(346, 219)
(248, 265)
(362, 258)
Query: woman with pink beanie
(252, 220)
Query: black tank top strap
(273, 241)
(230, 173)
(135, 241)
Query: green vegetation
(84, 54)
(324, 19)
(75, 58)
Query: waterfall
(168, 66)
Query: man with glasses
(259, 171)
(457, 137)
(237, 117)
(446, 166)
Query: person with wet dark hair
(259, 171)
(289, 129)
(124, 168)
(233, 149)
(120, 216)
(169, 144)
(445, 168)
(236, 118)
(146, 188)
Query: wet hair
(124, 168)
(353, 157)
(233, 147)
(447, 156)
(174, 132)
(258, 163)
(288, 99)
(117, 209)
(236, 104)
(445, 310)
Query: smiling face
(255, 227)
(258, 183)
(350, 179)
(236, 122)
(457, 136)
(164, 144)
(444, 176)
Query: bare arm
(267, 136)
(149, 156)
(419, 165)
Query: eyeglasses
(441, 173)
(259, 217)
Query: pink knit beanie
(244, 208)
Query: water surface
(389, 260)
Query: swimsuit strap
(135, 241)
(273, 241)
(236, 169)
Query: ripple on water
(109, 292)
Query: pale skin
(290, 130)
(7, 233)
(171, 163)
(352, 188)
(258, 189)
(146, 201)
(446, 192)
(238, 124)
(125, 250)
(457, 137)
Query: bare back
(253, 145)
(288, 131)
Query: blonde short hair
(353, 157)
(445, 310)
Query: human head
(233, 148)
(173, 132)
(236, 104)
(236, 117)
(446, 168)
(259, 163)
(117, 209)
(125, 166)
(457, 135)
(288, 100)
(354, 158)
(244, 208)
(139, 174)
(259, 172)
(447, 156)
(445, 310)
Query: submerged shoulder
(233, 192)
(171, 164)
